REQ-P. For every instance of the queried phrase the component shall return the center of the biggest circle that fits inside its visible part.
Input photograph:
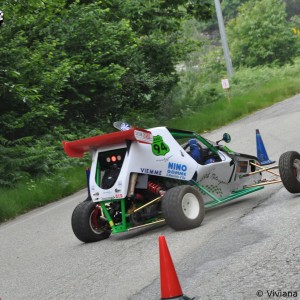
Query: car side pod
(261, 151)
(169, 283)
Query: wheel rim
(93, 220)
(190, 206)
(296, 167)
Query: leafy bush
(251, 90)
(260, 34)
(67, 66)
(247, 78)
(27, 158)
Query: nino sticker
(159, 147)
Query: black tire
(289, 170)
(183, 207)
(83, 224)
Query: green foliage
(197, 86)
(292, 7)
(251, 89)
(68, 66)
(37, 192)
(248, 78)
(230, 8)
(89, 61)
(27, 158)
(261, 35)
(190, 95)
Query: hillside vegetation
(69, 69)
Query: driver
(197, 154)
(195, 151)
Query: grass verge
(224, 111)
(39, 192)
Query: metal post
(224, 39)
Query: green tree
(90, 61)
(69, 66)
(261, 35)
(292, 7)
(230, 8)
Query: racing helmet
(195, 151)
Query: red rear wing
(79, 147)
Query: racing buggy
(143, 177)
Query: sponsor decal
(151, 171)
(242, 166)
(143, 137)
(165, 159)
(106, 198)
(106, 192)
(124, 126)
(118, 196)
(159, 147)
(177, 170)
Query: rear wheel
(289, 170)
(87, 223)
(183, 207)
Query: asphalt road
(246, 248)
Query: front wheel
(183, 207)
(87, 223)
(289, 170)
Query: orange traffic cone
(169, 283)
(261, 151)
